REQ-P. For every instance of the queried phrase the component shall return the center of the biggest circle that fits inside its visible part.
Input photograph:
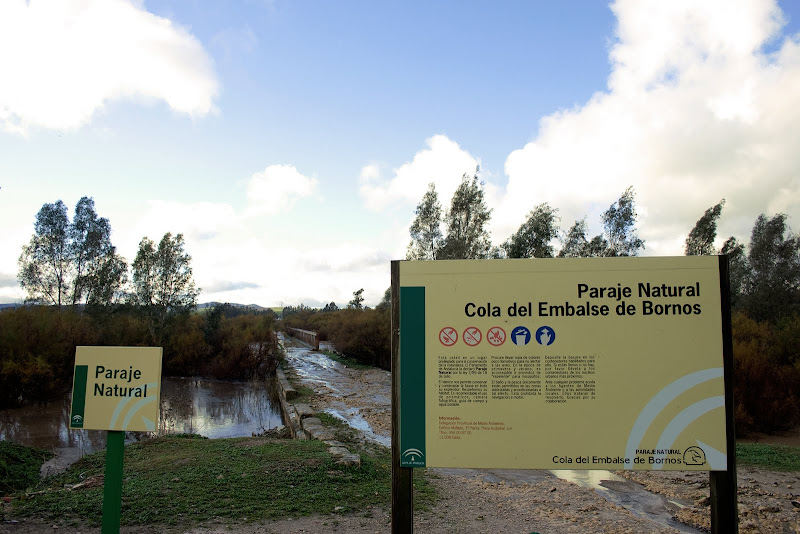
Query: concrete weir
(302, 423)
(306, 336)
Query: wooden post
(112, 484)
(724, 509)
(402, 477)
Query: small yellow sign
(116, 388)
(601, 363)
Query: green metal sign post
(116, 389)
(112, 486)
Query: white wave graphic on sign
(662, 399)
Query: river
(210, 408)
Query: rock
(350, 459)
(703, 502)
(303, 411)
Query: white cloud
(63, 59)
(695, 112)
(442, 162)
(199, 221)
(276, 189)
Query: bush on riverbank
(37, 345)
(766, 374)
(19, 466)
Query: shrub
(765, 383)
(19, 466)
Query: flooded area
(211, 408)
(345, 392)
(217, 409)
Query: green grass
(774, 457)
(344, 360)
(19, 466)
(304, 394)
(174, 480)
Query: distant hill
(213, 304)
(203, 307)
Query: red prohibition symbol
(472, 336)
(496, 336)
(448, 336)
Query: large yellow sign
(116, 388)
(602, 363)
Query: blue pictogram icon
(545, 335)
(521, 335)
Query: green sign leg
(112, 487)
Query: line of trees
(37, 345)
(765, 297)
(465, 234)
(74, 264)
(765, 286)
(80, 293)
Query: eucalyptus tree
(772, 279)
(618, 237)
(700, 241)
(575, 244)
(162, 281)
(70, 263)
(619, 222)
(426, 230)
(466, 220)
(358, 300)
(534, 237)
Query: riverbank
(183, 481)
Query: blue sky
(290, 141)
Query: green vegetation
(774, 457)
(79, 293)
(71, 262)
(19, 466)
(361, 334)
(170, 480)
(37, 345)
(344, 360)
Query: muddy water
(211, 408)
(344, 397)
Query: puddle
(352, 417)
(630, 495)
